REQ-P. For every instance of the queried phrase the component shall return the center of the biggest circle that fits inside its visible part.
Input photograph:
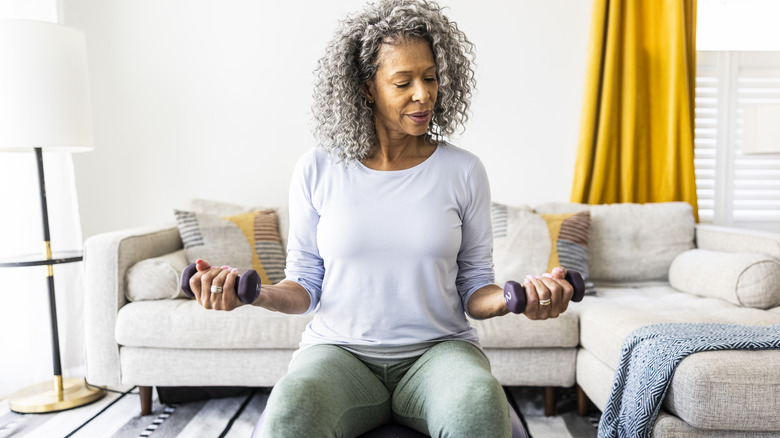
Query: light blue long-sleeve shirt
(390, 258)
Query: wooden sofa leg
(582, 402)
(549, 401)
(146, 399)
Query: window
(735, 188)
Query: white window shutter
(735, 188)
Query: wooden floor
(117, 407)
(117, 415)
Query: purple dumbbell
(247, 290)
(514, 292)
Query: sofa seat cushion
(728, 390)
(517, 331)
(614, 312)
(183, 323)
(668, 425)
(704, 391)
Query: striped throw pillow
(244, 241)
(525, 242)
(569, 238)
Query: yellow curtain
(636, 133)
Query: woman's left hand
(547, 295)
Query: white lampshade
(44, 87)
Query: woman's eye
(433, 79)
(404, 85)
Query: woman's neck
(399, 155)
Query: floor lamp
(45, 106)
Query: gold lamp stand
(45, 397)
(62, 393)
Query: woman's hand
(547, 295)
(214, 287)
(285, 296)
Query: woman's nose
(421, 93)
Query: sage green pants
(447, 392)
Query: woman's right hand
(206, 284)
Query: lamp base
(46, 397)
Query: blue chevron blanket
(648, 359)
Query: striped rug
(117, 415)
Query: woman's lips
(420, 117)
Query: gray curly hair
(344, 121)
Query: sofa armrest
(107, 258)
(732, 239)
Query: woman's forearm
(487, 302)
(285, 297)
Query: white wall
(737, 25)
(211, 99)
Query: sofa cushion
(528, 243)
(533, 366)
(746, 279)
(156, 278)
(633, 242)
(609, 317)
(668, 425)
(185, 324)
(731, 390)
(517, 331)
(245, 241)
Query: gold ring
(545, 302)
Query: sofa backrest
(633, 242)
(732, 239)
(627, 242)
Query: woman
(390, 243)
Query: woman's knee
(292, 406)
(479, 395)
(480, 409)
(470, 402)
(332, 397)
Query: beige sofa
(158, 339)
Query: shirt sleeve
(304, 264)
(475, 258)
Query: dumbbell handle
(247, 285)
(514, 292)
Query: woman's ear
(366, 89)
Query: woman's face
(404, 89)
